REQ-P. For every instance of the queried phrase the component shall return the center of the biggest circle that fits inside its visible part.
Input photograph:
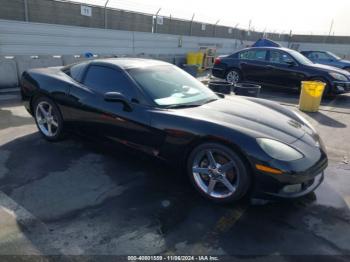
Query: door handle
(270, 67)
(243, 63)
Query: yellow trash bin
(200, 57)
(191, 58)
(311, 95)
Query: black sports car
(281, 67)
(227, 145)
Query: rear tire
(218, 173)
(48, 119)
(233, 76)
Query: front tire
(48, 119)
(218, 173)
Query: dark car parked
(225, 146)
(327, 58)
(275, 66)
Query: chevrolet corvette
(228, 146)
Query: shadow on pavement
(291, 96)
(8, 119)
(325, 120)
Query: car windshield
(334, 56)
(300, 58)
(170, 86)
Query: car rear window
(76, 71)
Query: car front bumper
(298, 190)
(292, 185)
(340, 87)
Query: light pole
(331, 27)
(105, 13)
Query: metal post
(156, 22)
(191, 23)
(250, 24)
(331, 27)
(290, 38)
(214, 29)
(105, 13)
(235, 31)
(26, 15)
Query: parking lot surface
(82, 197)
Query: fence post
(191, 23)
(26, 15)
(105, 13)
(156, 21)
(214, 29)
(170, 24)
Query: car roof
(268, 47)
(310, 51)
(128, 62)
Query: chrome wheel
(215, 173)
(46, 119)
(232, 77)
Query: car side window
(258, 55)
(280, 57)
(319, 55)
(104, 79)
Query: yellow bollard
(311, 95)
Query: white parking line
(13, 218)
(21, 215)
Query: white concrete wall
(21, 38)
(8, 73)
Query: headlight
(278, 150)
(305, 121)
(338, 76)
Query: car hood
(327, 68)
(345, 62)
(249, 117)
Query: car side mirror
(291, 63)
(118, 98)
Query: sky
(280, 16)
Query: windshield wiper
(210, 100)
(183, 106)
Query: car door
(283, 69)
(253, 64)
(95, 116)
